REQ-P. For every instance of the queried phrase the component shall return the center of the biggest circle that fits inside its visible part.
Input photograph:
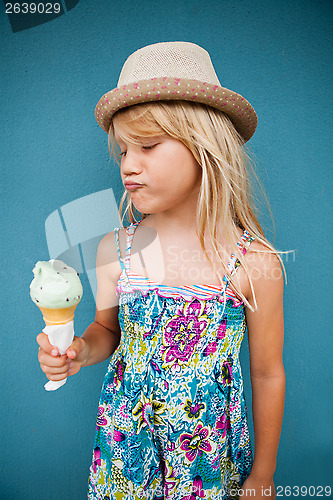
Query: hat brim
(234, 105)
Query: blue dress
(172, 415)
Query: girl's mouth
(130, 186)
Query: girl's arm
(265, 333)
(102, 336)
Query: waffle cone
(58, 316)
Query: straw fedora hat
(174, 71)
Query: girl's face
(159, 172)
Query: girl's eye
(145, 148)
(149, 147)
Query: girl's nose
(131, 163)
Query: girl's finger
(55, 378)
(53, 370)
(48, 360)
(43, 341)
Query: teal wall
(53, 154)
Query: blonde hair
(225, 198)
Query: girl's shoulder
(264, 267)
(119, 238)
(258, 266)
(107, 254)
(261, 256)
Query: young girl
(177, 289)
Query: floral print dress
(172, 415)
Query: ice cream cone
(58, 316)
(58, 287)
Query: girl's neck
(166, 222)
(181, 230)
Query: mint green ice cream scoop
(55, 285)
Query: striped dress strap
(243, 245)
(130, 233)
(121, 262)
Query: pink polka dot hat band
(174, 71)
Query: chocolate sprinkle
(67, 300)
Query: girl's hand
(256, 488)
(58, 367)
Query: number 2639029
(33, 8)
(302, 491)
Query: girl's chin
(144, 209)
(140, 207)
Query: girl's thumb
(75, 348)
(71, 353)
